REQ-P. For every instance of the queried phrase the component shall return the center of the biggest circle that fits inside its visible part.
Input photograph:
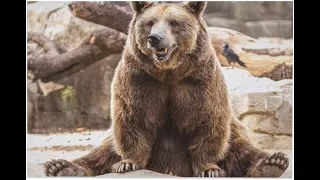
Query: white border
(56, 178)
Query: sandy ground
(41, 148)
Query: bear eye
(150, 23)
(174, 23)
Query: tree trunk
(52, 65)
(115, 15)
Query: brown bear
(170, 108)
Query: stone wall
(255, 19)
(263, 106)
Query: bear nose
(154, 39)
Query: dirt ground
(41, 148)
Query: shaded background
(255, 19)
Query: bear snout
(154, 40)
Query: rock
(275, 126)
(256, 29)
(268, 124)
(255, 11)
(40, 150)
(84, 98)
(269, 142)
(269, 28)
(56, 21)
(37, 171)
(268, 132)
(136, 174)
(214, 21)
(263, 106)
(255, 19)
(38, 14)
(282, 142)
(85, 102)
(92, 87)
(263, 141)
(218, 6)
(252, 11)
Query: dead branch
(115, 15)
(42, 40)
(52, 66)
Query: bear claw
(126, 167)
(213, 173)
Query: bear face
(167, 32)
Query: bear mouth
(162, 54)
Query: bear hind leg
(245, 160)
(99, 161)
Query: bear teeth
(165, 51)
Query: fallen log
(263, 59)
(52, 66)
(272, 60)
(115, 15)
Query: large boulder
(84, 102)
(56, 21)
(216, 21)
(256, 19)
(263, 106)
(269, 28)
(262, 28)
(252, 11)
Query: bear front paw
(125, 166)
(208, 170)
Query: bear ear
(137, 6)
(197, 7)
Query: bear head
(166, 32)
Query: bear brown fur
(170, 108)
